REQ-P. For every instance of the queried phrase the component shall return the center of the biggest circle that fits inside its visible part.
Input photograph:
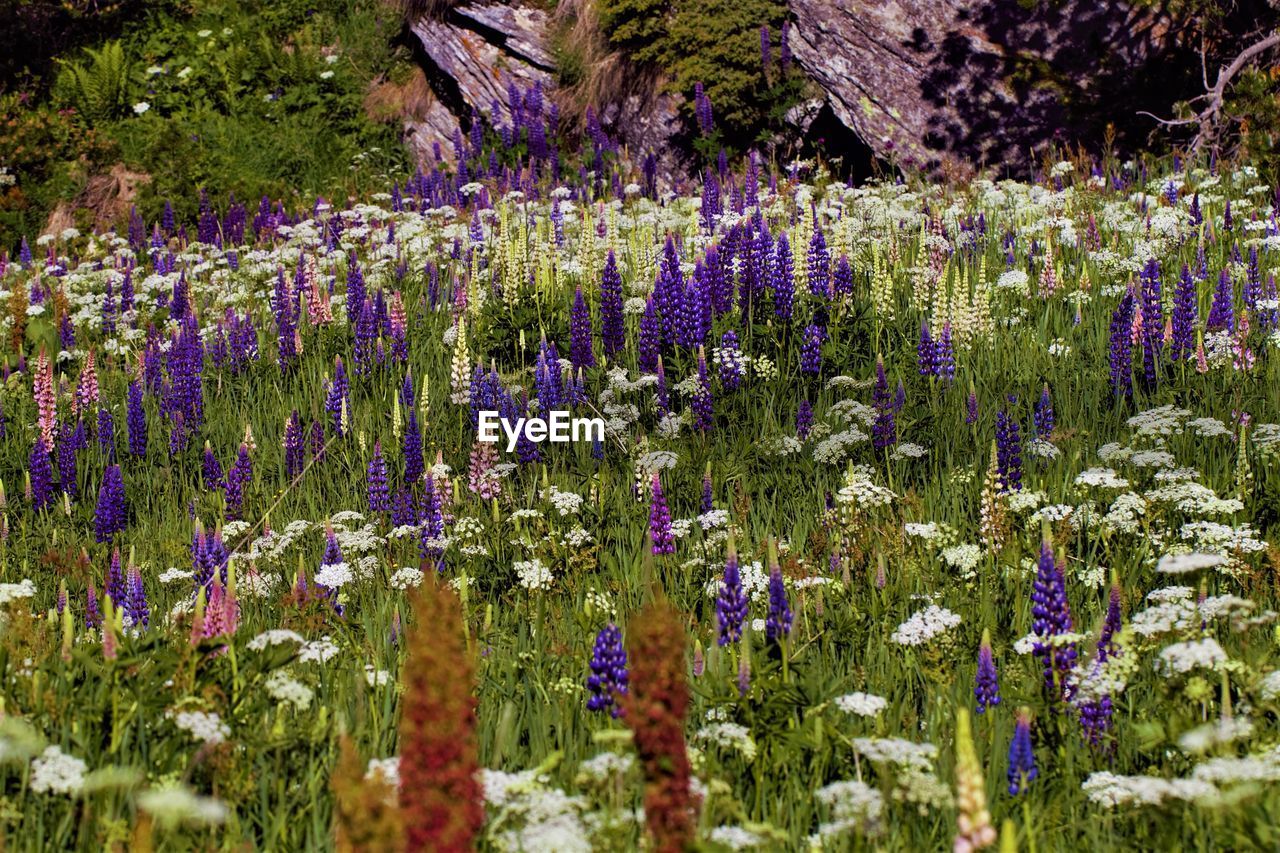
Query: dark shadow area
(1069, 70)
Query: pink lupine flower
(87, 389)
(46, 398)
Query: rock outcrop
(933, 82)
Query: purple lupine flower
(661, 393)
(971, 407)
(784, 285)
(211, 470)
(294, 446)
(766, 49)
(111, 514)
(411, 449)
(664, 541)
(580, 332)
(547, 378)
(430, 545)
(66, 458)
(41, 472)
(1043, 416)
(730, 361)
(731, 603)
(717, 282)
(811, 349)
(92, 614)
(403, 512)
(238, 478)
(612, 323)
(116, 587)
(668, 291)
(1008, 451)
(777, 623)
(1107, 647)
(283, 307)
(784, 47)
(704, 413)
(355, 288)
(842, 279)
(804, 420)
(819, 266)
(708, 502)
(376, 481)
(1152, 321)
(945, 355)
(884, 431)
(202, 564)
(137, 612)
(106, 433)
(1252, 289)
(926, 354)
(1183, 345)
(987, 682)
(702, 109)
(337, 401)
(1222, 308)
(1022, 757)
(650, 337)
(1095, 717)
(1051, 615)
(1121, 359)
(608, 678)
(366, 331)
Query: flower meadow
(928, 515)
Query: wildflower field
(927, 515)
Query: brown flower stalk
(440, 796)
(655, 710)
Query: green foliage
(238, 96)
(716, 43)
(637, 26)
(98, 90)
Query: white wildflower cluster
(533, 575)
(205, 726)
(1101, 478)
(407, 577)
(964, 558)
(10, 592)
(860, 492)
(536, 815)
(275, 637)
(925, 625)
(318, 651)
(1220, 732)
(55, 772)
(728, 736)
(915, 780)
(1110, 790)
(334, 575)
(736, 838)
(566, 503)
(606, 767)
(283, 688)
(853, 806)
(1181, 564)
(387, 768)
(836, 447)
(1181, 658)
(173, 805)
(861, 704)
